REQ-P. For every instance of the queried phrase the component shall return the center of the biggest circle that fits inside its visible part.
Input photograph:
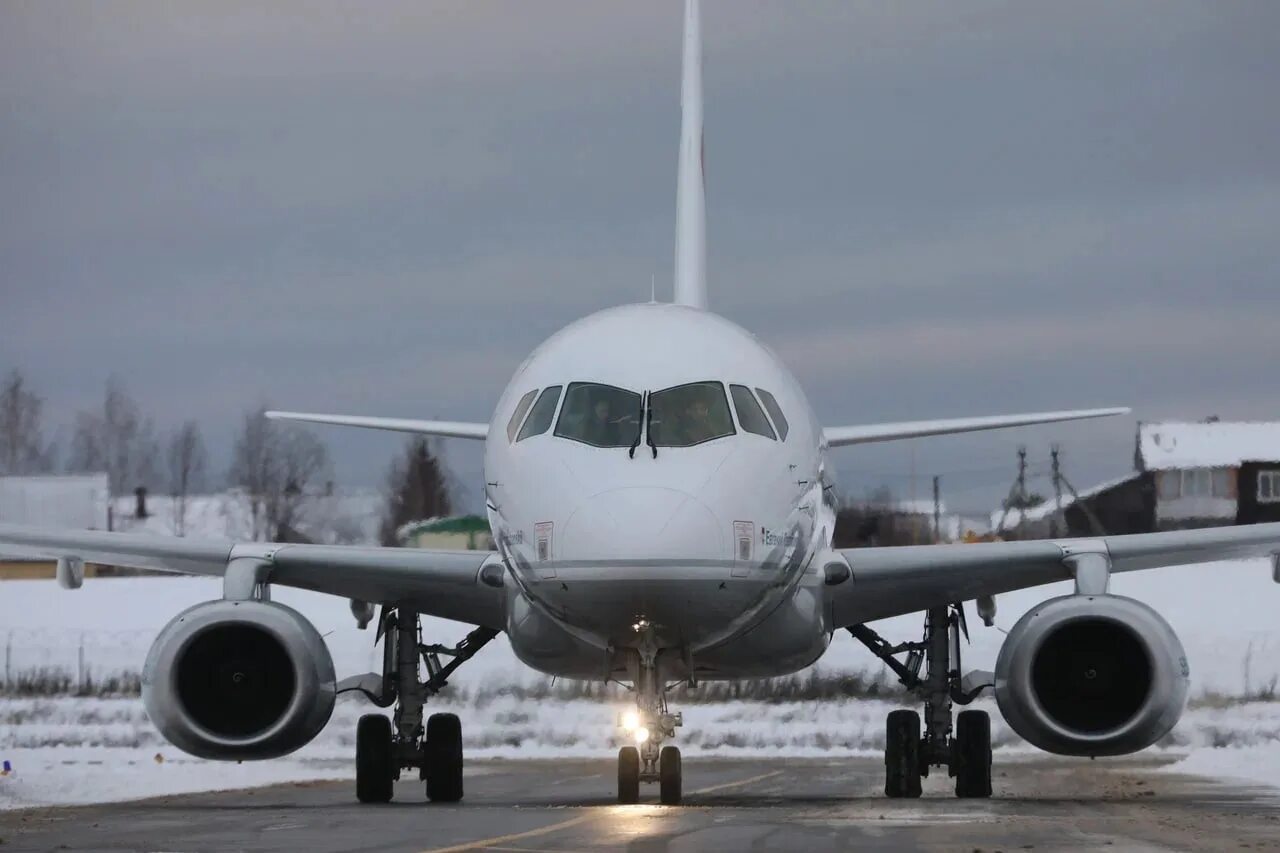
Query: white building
(80, 501)
(1212, 472)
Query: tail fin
(691, 205)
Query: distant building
(1211, 473)
(461, 532)
(1187, 474)
(81, 502)
(900, 522)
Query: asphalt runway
(768, 804)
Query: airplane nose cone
(642, 523)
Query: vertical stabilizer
(691, 205)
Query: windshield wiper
(631, 451)
(648, 430)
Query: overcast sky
(928, 209)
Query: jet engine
(1091, 675)
(238, 680)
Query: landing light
(642, 735)
(631, 720)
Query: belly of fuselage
(707, 621)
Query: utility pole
(1017, 492)
(1058, 510)
(911, 509)
(937, 510)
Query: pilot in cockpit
(696, 423)
(602, 428)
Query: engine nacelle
(1091, 675)
(238, 680)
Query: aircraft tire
(375, 774)
(902, 755)
(669, 776)
(444, 758)
(973, 754)
(628, 775)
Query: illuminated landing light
(631, 720)
(642, 735)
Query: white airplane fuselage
(706, 551)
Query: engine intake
(1091, 675)
(238, 680)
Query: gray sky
(929, 210)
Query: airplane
(662, 507)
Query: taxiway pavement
(1040, 803)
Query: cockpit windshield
(689, 414)
(600, 415)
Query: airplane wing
(893, 581)
(433, 582)
(449, 429)
(840, 436)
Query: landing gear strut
(909, 752)
(385, 746)
(650, 724)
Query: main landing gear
(385, 746)
(909, 752)
(650, 724)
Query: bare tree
(187, 464)
(417, 489)
(118, 440)
(301, 462)
(250, 467)
(22, 447)
(274, 465)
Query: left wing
(840, 436)
(892, 581)
(434, 582)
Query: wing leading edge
(447, 429)
(840, 436)
(434, 582)
(891, 581)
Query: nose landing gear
(650, 724)
(909, 753)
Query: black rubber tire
(902, 755)
(973, 754)
(670, 784)
(444, 758)
(375, 770)
(628, 775)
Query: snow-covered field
(76, 749)
(348, 516)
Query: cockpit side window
(689, 414)
(599, 415)
(523, 406)
(544, 410)
(750, 416)
(775, 412)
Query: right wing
(842, 435)
(433, 582)
(449, 429)
(892, 581)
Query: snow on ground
(66, 749)
(1258, 763)
(75, 750)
